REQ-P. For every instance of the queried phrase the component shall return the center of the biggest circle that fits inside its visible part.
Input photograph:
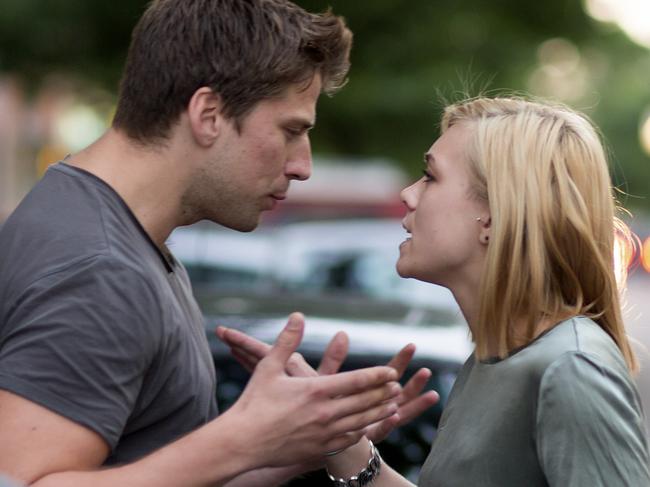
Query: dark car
(341, 276)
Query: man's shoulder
(69, 217)
(68, 230)
(61, 214)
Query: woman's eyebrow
(429, 159)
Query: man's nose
(300, 162)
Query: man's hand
(292, 419)
(249, 351)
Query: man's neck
(148, 179)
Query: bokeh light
(645, 254)
(644, 132)
(79, 126)
(624, 253)
(632, 16)
(561, 73)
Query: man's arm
(36, 440)
(278, 421)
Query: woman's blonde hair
(543, 171)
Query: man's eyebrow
(303, 123)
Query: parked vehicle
(342, 276)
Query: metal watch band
(366, 476)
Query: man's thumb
(288, 340)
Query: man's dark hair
(244, 50)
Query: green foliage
(406, 53)
(88, 39)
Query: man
(105, 374)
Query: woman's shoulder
(582, 335)
(576, 338)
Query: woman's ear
(484, 233)
(204, 115)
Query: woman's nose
(409, 196)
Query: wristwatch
(366, 476)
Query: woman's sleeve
(590, 426)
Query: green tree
(406, 53)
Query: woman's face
(447, 242)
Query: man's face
(251, 169)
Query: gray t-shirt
(96, 324)
(563, 411)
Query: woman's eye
(428, 176)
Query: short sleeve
(590, 426)
(79, 341)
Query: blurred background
(60, 64)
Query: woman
(515, 215)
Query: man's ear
(204, 115)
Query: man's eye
(294, 132)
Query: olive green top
(562, 411)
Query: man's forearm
(200, 459)
(171, 466)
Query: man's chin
(245, 227)
(239, 224)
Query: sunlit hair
(543, 171)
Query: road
(637, 320)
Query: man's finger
(297, 366)
(356, 381)
(287, 342)
(335, 354)
(356, 403)
(363, 419)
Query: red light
(645, 254)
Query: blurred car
(341, 275)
